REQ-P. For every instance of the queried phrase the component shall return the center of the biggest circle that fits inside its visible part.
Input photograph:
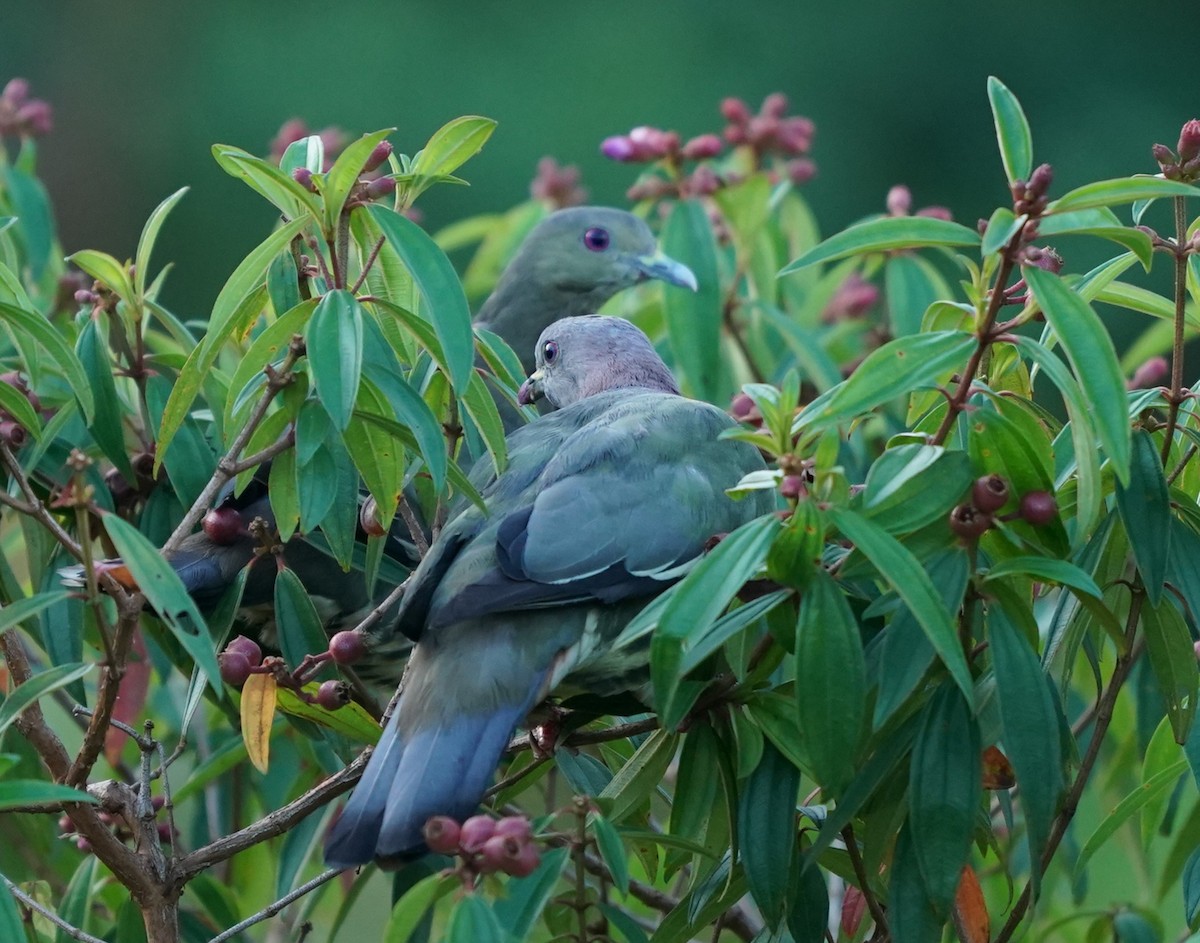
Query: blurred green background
(141, 90)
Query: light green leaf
(267, 180)
(451, 146)
(883, 235)
(41, 683)
(1101, 222)
(149, 236)
(104, 268)
(694, 318)
(17, 612)
(49, 339)
(1012, 131)
(1119, 190)
(344, 174)
(334, 348)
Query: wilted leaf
(258, 713)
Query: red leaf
(970, 910)
(131, 697)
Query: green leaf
(911, 917)
(378, 457)
(898, 367)
(149, 236)
(1093, 360)
(269, 347)
(1120, 190)
(910, 486)
(442, 295)
(904, 573)
(695, 794)
(269, 181)
(1146, 792)
(41, 683)
(767, 830)
(608, 843)
(17, 612)
(334, 348)
(472, 921)
(479, 405)
(883, 235)
(640, 776)
(1169, 645)
(1143, 301)
(694, 318)
(285, 498)
(1191, 888)
(525, 899)
(15, 793)
(300, 630)
(344, 174)
(808, 909)
(11, 926)
(1012, 131)
(351, 720)
(105, 269)
(457, 478)
(831, 683)
(17, 405)
(76, 902)
(451, 146)
(243, 296)
(944, 792)
(32, 206)
(1002, 226)
(166, 594)
(910, 290)
(49, 339)
(1145, 507)
(1099, 222)
(316, 486)
(695, 603)
(1028, 712)
(108, 429)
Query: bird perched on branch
(570, 263)
(604, 503)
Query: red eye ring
(597, 239)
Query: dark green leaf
(911, 917)
(316, 487)
(11, 927)
(1169, 645)
(269, 347)
(1002, 226)
(831, 683)
(808, 909)
(1191, 888)
(1028, 712)
(76, 901)
(524, 900)
(638, 778)
(608, 842)
(334, 342)
(909, 290)
(15, 793)
(910, 486)
(1012, 131)
(904, 573)
(1145, 507)
(481, 408)
(767, 830)
(884, 234)
(23, 609)
(41, 683)
(442, 296)
(166, 594)
(944, 792)
(694, 318)
(191, 462)
(472, 921)
(695, 793)
(300, 630)
(1090, 351)
(107, 429)
(19, 321)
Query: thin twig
(414, 526)
(864, 884)
(274, 908)
(36, 508)
(73, 932)
(362, 276)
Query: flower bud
(1163, 155)
(347, 647)
(934, 212)
(774, 105)
(223, 526)
(332, 695)
(475, 831)
(381, 187)
(853, 298)
(304, 177)
(733, 110)
(36, 118)
(1044, 258)
(1189, 141)
(795, 135)
(1040, 180)
(990, 493)
(441, 835)
(703, 181)
(1150, 374)
(744, 409)
(702, 146)
(378, 157)
(368, 518)
(801, 170)
(1038, 507)
(85, 297)
(899, 200)
(15, 92)
(618, 147)
(792, 487)
(235, 668)
(246, 647)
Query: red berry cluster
(1184, 162)
(486, 845)
(120, 829)
(557, 185)
(243, 657)
(988, 495)
(22, 116)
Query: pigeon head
(582, 356)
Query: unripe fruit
(515, 826)
(526, 862)
(969, 522)
(441, 835)
(475, 831)
(346, 648)
(223, 526)
(499, 853)
(990, 493)
(235, 668)
(246, 647)
(1038, 507)
(332, 695)
(368, 520)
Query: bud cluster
(1184, 162)
(557, 184)
(22, 116)
(119, 828)
(989, 494)
(486, 845)
(12, 433)
(294, 129)
(899, 203)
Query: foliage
(972, 619)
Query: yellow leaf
(258, 711)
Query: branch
(274, 908)
(34, 505)
(277, 379)
(73, 932)
(1175, 396)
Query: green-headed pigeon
(604, 503)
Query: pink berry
(347, 647)
(442, 835)
(223, 526)
(792, 487)
(969, 522)
(475, 831)
(526, 862)
(246, 647)
(1038, 507)
(235, 668)
(498, 853)
(515, 826)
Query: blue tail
(440, 769)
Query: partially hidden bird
(604, 503)
(570, 263)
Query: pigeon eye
(597, 239)
(549, 352)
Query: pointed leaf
(334, 347)
(107, 429)
(149, 236)
(1145, 507)
(344, 174)
(107, 270)
(1012, 131)
(452, 145)
(1169, 645)
(1120, 190)
(257, 714)
(300, 630)
(885, 234)
(267, 180)
(608, 843)
(50, 340)
(767, 828)
(1093, 360)
(911, 917)
(694, 318)
(41, 683)
(20, 610)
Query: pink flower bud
(1150, 374)
(704, 181)
(442, 835)
(853, 298)
(934, 212)
(792, 487)
(1189, 141)
(1163, 154)
(774, 105)
(735, 110)
(16, 91)
(801, 170)
(381, 187)
(36, 118)
(1040, 180)
(85, 297)
(618, 147)
(1044, 258)
(702, 146)
(899, 200)
(795, 135)
(377, 157)
(304, 177)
